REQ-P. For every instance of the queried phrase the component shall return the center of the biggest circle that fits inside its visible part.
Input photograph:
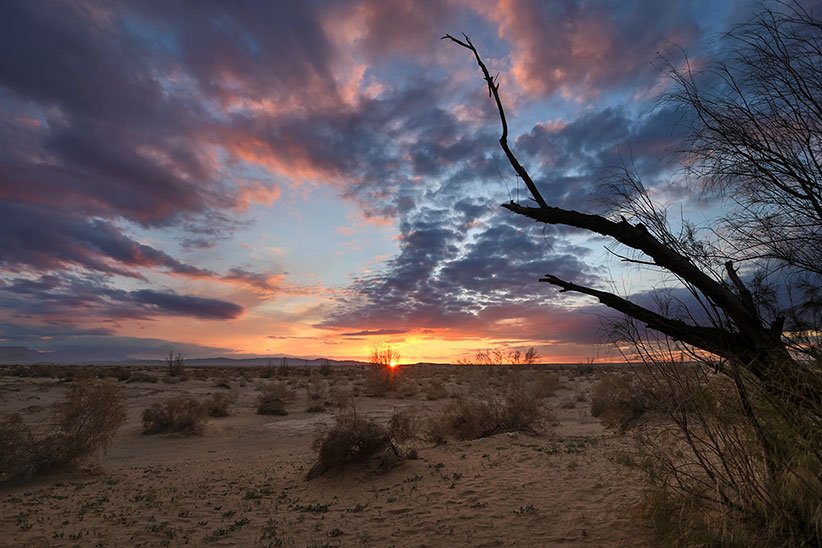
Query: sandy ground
(242, 482)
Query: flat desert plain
(243, 481)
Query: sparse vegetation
(353, 438)
(272, 398)
(176, 415)
(618, 402)
(81, 427)
(219, 404)
(515, 408)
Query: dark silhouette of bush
(353, 438)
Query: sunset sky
(255, 178)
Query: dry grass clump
(82, 426)
(141, 376)
(317, 388)
(353, 438)
(272, 398)
(514, 408)
(618, 402)
(218, 404)
(436, 390)
(545, 385)
(381, 379)
(179, 415)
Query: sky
(267, 178)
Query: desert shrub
(342, 397)
(218, 404)
(171, 379)
(545, 385)
(141, 376)
(325, 369)
(404, 425)
(380, 380)
(353, 438)
(179, 415)
(515, 408)
(316, 389)
(272, 399)
(436, 390)
(618, 402)
(81, 427)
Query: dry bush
(171, 379)
(353, 438)
(515, 408)
(218, 404)
(141, 376)
(436, 390)
(272, 398)
(618, 402)
(179, 415)
(545, 384)
(82, 426)
(316, 389)
(380, 380)
(404, 425)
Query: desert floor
(242, 483)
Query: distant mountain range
(13, 355)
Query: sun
(393, 363)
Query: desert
(242, 481)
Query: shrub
(353, 438)
(82, 426)
(436, 390)
(404, 425)
(545, 384)
(180, 415)
(380, 380)
(516, 408)
(272, 398)
(141, 376)
(317, 388)
(218, 404)
(618, 402)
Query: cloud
(73, 299)
(187, 305)
(375, 333)
(584, 48)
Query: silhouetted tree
(756, 142)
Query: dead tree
(742, 336)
